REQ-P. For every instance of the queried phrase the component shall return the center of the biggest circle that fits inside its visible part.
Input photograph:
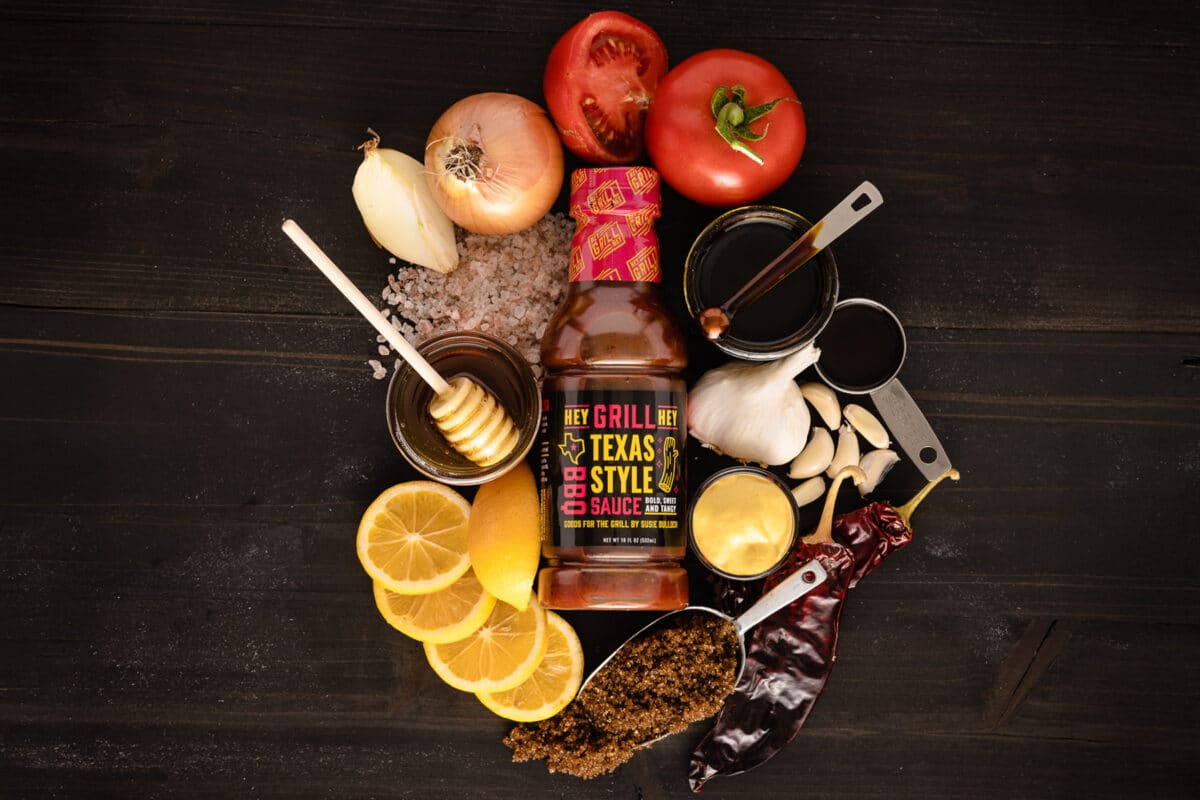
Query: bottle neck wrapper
(615, 209)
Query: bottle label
(612, 468)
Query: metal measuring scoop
(845, 215)
(809, 576)
(893, 402)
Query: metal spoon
(809, 576)
(845, 215)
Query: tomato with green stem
(725, 128)
(599, 80)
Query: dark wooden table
(190, 431)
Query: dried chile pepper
(790, 654)
(788, 659)
(877, 530)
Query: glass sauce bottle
(613, 410)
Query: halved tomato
(599, 80)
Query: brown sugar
(655, 685)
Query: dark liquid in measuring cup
(736, 256)
(862, 347)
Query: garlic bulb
(753, 412)
(399, 210)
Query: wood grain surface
(190, 431)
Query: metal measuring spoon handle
(845, 215)
(910, 429)
(807, 577)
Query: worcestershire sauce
(613, 426)
(861, 347)
(742, 250)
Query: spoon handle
(364, 306)
(806, 578)
(848, 213)
(844, 216)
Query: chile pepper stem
(906, 511)
(824, 532)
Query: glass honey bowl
(492, 363)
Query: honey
(487, 362)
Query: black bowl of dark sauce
(730, 251)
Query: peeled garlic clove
(846, 454)
(825, 401)
(876, 464)
(809, 491)
(867, 424)
(815, 457)
(399, 211)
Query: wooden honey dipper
(471, 418)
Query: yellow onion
(399, 210)
(494, 163)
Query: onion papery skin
(494, 163)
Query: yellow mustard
(743, 524)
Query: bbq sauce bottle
(613, 411)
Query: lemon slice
(500, 655)
(504, 535)
(449, 615)
(413, 538)
(551, 686)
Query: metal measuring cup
(893, 402)
(806, 578)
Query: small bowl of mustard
(743, 523)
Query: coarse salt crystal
(509, 285)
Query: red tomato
(692, 156)
(599, 80)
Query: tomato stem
(733, 117)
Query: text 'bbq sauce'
(613, 415)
